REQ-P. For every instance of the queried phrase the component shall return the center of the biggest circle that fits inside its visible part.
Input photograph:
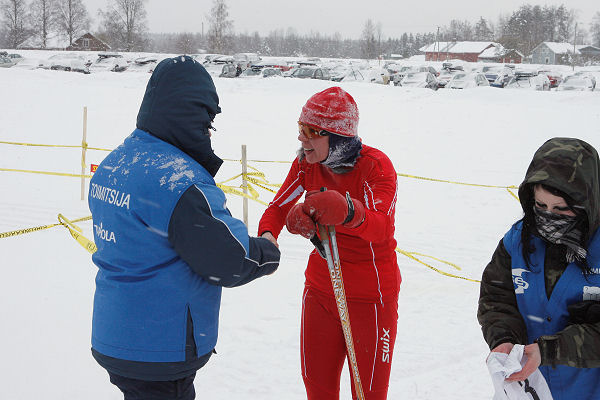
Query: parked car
(463, 80)
(398, 76)
(6, 62)
(529, 80)
(109, 62)
(17, 58)
(230, 71)
(554, 76)
(67, 62)
(581, 82)
(420, 80)
(245, 60)
(311, 73)
(497, 76)
(279, 64)
(346, 74)
(271, 72)
(454, 64)
(445, 75)
(428, 68)
(259, 72)
(222, 60)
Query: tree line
(123, 26)
(38, 23)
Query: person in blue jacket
(166, 242)
(542, 287)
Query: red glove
(331, 208)
(299, 223)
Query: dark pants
(135, 389)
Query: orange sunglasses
(311, 132)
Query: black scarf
(343, 152)
(561, 229)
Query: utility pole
(574, 45)
(437, 39)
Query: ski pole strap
(318, 245)
(350, 209)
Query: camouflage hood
(571, 166)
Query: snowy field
(484, 136)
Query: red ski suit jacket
(367, 253)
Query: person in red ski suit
(360, 202)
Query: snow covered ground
(484, 136)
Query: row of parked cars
(452, 75)
(114, 62)
(456, 76)
(8, 60)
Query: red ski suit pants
(323, 348)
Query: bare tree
(43, 20)
(595, 29)
(72, 18)
(186, 43)
(124, 24)
(368, 41)
(220, 27)
(15, 19)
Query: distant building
(589, 54)
(552, 53)
(88, 42)
(466, 51)
(563, 53)
(499, 54)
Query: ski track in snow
(480, 136)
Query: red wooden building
(466, 51)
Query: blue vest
(545, 316)
(143, 289)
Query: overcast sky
(331, 16)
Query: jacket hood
(571, 166)
(179, 106)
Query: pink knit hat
(333, 110)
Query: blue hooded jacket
(166, 241)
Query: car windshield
(304, 72)
(520, 82)
(460, 77)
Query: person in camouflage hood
(542, 286)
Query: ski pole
(335, 273)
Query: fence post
(245, 183)
(83, 149)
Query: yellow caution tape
(259, 161)
(412, 254)
(455, 183)
(54, 145)
(75, 231)
(512, 194)
(37, 228)
(45, 173)
(238, 192)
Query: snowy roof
(471, 47)
(560, 48)
(436, 46)
(458, 47)
(493, 52)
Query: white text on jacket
(110, 196)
